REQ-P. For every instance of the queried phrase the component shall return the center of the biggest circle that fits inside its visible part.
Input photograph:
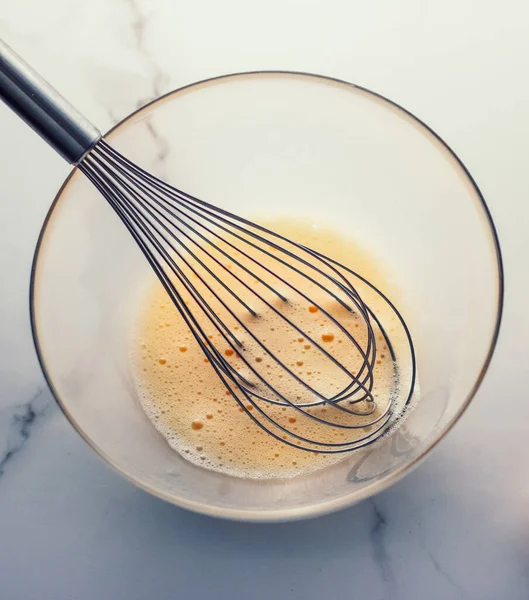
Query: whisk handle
(43, 108)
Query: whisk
(226, 274)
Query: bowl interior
(273, 144)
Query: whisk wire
(174, 230)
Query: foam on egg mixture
(188, 404)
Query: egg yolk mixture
(197, 414)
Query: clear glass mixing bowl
(284, 144)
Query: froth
(188, 404)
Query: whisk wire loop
(185, 240)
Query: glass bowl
(290, 144)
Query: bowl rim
(289, 514)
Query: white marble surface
(458, 527)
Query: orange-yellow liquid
(190, 406)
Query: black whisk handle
(44, 109)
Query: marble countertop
(458, 526)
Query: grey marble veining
(17, 423)
(457, 527)
(377, 535)
(159, 80)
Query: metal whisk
(225, 275)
